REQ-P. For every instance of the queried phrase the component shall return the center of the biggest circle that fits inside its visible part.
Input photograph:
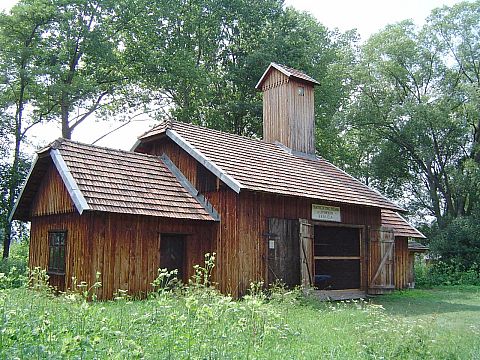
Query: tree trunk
(66, 130)
(433, 192)
(476, 143)
(7, 240)
(13, 181)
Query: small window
(206, 180)
(57, 246)
(301, 91)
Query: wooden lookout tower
(288, 103)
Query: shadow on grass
(430, 302)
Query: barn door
(381, 264)
(283, 251)
(306, 252)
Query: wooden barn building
(270, 209)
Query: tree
(204, 59)
(404, 98)
(195, 57)
(83, 63)
(60, 59)
(455, 32)
(21, 89)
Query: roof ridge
(219, 131)
(56, 144)
(287, 71)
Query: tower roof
(288, 71)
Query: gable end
(200, 157)
(51, 196)
(39, 169)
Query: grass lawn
(442, 323)
(451, 315)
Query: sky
(367, 16)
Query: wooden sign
(326, 213)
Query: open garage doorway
(337, 255)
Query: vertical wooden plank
(52, 196)
(382, 247)
(306, 253)
(284, 251)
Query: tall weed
(14, 270)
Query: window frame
(301, 90)
(53, 267)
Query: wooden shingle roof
(267, 167)
(289, 72)
(102, 179)
(414, 246)
(400, 226)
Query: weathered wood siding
(78, 252)
(226, 237)
(256, 208)
(125, 249)
(301, 117)
(287, 116)
(52, 196)
(401, 263)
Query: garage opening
(337, 258)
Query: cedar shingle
(268, 167)
(400, 226)
(130, 183)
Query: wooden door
(306, 253)
(381, 260)
(284, 251)
(172, 253)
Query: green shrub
(14, 269)
(446, 273)
(458, 241)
